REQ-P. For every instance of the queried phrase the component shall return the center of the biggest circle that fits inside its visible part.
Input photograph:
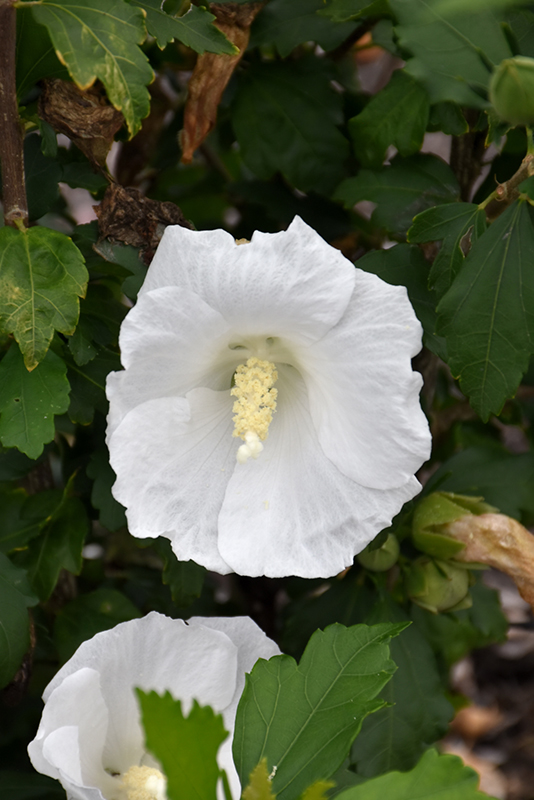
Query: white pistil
(254, 406)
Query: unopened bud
(437, 585)
(381, 558)
(432, 516)
(512, 90)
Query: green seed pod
(382, 558)
(512, 90)
(437, 585)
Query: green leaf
(453, 54)
(434, 776)
(42, 176)
(88, 386)
(101, 314)
(29, 400)
(343, 10)
(304, 718)
(30, 786)
(448, 117)
(42, 275)
(259, 784)
(286, 25)
(195, 29)
(405, 265)
(402, 190)
(398, 115)
(285, 116)
(185, 578)
(186, 747)
(59, 545)
(418, 713)
(449, 223)
(87, 615)
(35, 57)
(112, 514)
(99, 39)
(16, 529)
(487, 316)
(15, 597)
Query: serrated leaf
(29, 401)
(448, 117)
(195, 29)
(435, 775)
(452, 53)
(101, 314)
(304, 718)
(88, 386)
(418, 713)
(259, 786)
(87, 615)
(15, 597)
(186, 747)
(448, 223)
(343, 10)
(184, 578)
(286, 25)
(112, 514)
(99, 39)
(16, 529)
(285, 116)
(42, 277)
(487, 316)
(405, 265)
(398, 115)
(36, 58)
(401, 190)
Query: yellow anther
(144, 783)
(254, 406)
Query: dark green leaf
(185, 578)
(398, 115)
(42, 176)
(487, 316)
(99, 39)
(304, 718)
(87, 615)
(401, 190)
(286, 25)
(448, 117)
(59, 546)
(449, 223)
(36, 58)
(418, 715)
(15, 597)
(101, 314)
(30, 786)
(405, 265)
(343, 10)
(29, 400)
(88, 386)
(16, 529)
(195, 29)
(128, 257)
(14, 464)
(186, 747)
(435, 776)
(285, 116)
(452, 54)
(99, 469)
(42, 275)
(522, 24)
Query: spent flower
(267, 420)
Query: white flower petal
(173, 457)
(291, 512)
(363, 394)
(290, 284)
(169, 345)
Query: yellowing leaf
(318, 790)
(42, 275)
(99, 39)
(259, 787)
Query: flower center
(254, 406)
(144, 783)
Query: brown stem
(11, 133)
(467, 156)
(506, 192)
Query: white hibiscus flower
(90, 737)
(313, 451)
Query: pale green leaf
(99, 39)
(29, 401)
(195, 29)
(42, 277)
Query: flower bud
(437, 585)
(432, 516)
(381, 558)
(512, 90)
